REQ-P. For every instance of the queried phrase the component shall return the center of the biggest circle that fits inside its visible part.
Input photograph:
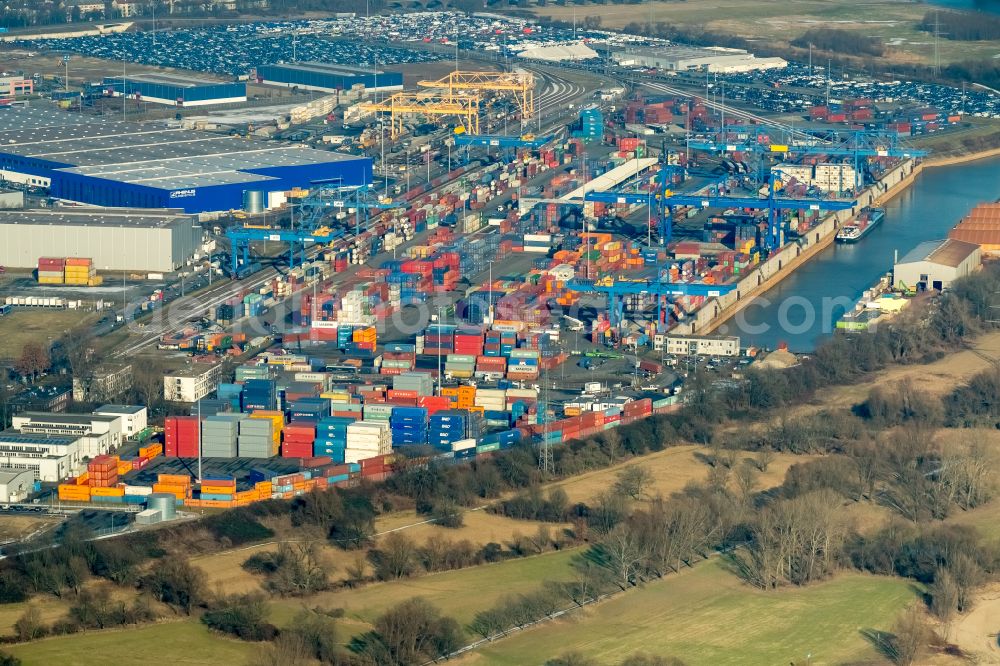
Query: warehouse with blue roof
(115, 163)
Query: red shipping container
(393, 393)
(296, 450)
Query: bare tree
(746, 481)
(633, 481)
(30, 626)
(944, 595)
(968, 475)
(622, 551)
(613, 444)
(763, 458)
(147, 383)
(33, 361)
(793, 541)
(395, 557)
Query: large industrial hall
(115, 163)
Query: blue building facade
(317, 76)
(229, 196)
(181, 95)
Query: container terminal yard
(341, 268)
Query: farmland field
(188, 642)
(706, 616)
(460, 594)
(779, 21)
(672, 469)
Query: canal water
(803, 308)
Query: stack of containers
(180, 436)
(137, 494)
(491, 400)
(464, 448)
(395, 363)
(367, 440)
(376, 468)
(51, 270)
(419, 382)
(523, 364)
(218, 488)
(469, 341)
(309, 409)
(637, 409)
(462, 366)
(364, 338)
(331, 437)
(299, 440)
(247, 372)
(256, 438)
(109, 495)
(446, 428)
(75, 492)
(80, 272)
(260, 394)
(434, 403)
(232, 394)
(219, 436)
(439, 339)
(253, 305)
(408, 426)
(377, 413)
(277, 419)
(178, 485)
(487, 366)
(103, 472)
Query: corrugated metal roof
(147, 154)
(981, 226)
(152, 218)
(945, 252)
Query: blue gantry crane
(664, 198)
(859, 145)
(315, 223)
(616, 289)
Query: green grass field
(460, 594)
(707, 616)
(176, 643)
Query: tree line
(961, 26)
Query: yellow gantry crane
(520, 84)
(401, 104)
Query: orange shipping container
(174, 479)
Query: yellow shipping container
(50, 280)
(264, 486)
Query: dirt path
(976, 633)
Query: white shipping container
(463, 445)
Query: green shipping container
(485, 448)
